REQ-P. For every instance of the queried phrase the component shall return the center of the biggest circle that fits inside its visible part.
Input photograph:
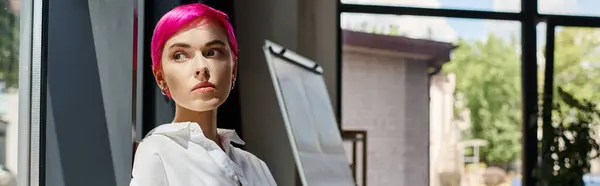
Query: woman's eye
(213, 53)
(179, 56)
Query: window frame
(31, 89)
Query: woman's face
(198, 68)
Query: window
(480, 85)
(9, 88)
(468, 36)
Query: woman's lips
(204, 87)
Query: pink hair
(180, 17)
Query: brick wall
(388, 97)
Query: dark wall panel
(157, 109)
(88, 101)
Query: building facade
(385, 91)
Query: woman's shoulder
(152, 143)
(243, 156)
(166, 134)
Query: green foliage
(9, 44)
(488, 85)
(577, 62)
(572, 141)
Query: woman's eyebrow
(208, 44)
(182, 45)
(214, 42)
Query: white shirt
(180, 155)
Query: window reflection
(9, 72)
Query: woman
(194, 59)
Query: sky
(450, 29)
(478, 29)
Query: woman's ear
(234, 73)
(159, 78)
(235, 67)
(160, 81)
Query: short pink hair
(180, 17)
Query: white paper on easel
(309, 118)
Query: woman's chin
(203, 105)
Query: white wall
(445, 156)
(308, 27)
(12, 130)
(387, 97)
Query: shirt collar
(190, 131)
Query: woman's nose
(202, 74)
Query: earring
(163, 88)
(166, 92)
(233, 84)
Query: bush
(494, 176)
(569, 144)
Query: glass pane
(577, 61)
(569, 7)
(575, 99)
(9, 90)
(483, 5)
(393, 87)
(541, 48)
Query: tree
(9, 56)
(577, 62)
(488, 83)
(571, 141)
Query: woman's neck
(206, 119)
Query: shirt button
(235, 178)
